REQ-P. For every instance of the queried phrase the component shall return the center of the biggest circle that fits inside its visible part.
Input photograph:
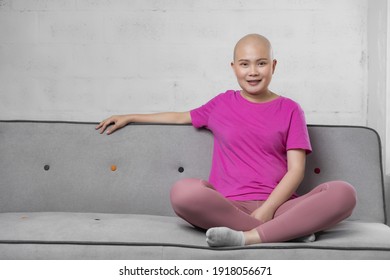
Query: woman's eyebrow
(245, 59)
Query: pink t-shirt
(251, 142)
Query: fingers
(112, 129)
(99, 125)
(104, 124)
(117, 122)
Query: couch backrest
(66, 166)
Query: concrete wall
(379, 80)
(85, 59)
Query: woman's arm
(296, 160)
(120, 121)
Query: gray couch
(61, 196)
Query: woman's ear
(274, 62)
(232, 65)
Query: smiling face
(254, 66)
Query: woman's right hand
(118, 122)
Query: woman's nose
(253, 71)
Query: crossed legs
(196, 201)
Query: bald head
(253, 40)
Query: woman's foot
(306, 239)
(223, 236)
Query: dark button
(181, 169)
(317, 170)
(46, 167)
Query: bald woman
(260, 147)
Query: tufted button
(317, 170)
(113, 167)
(46, 167)
(181, 169)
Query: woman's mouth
(254, 82)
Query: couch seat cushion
(359, 239)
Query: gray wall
(86, 59)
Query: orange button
(113, 167)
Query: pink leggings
(197, 202)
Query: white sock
(307, 238)
(223, 236)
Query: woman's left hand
(263, 214)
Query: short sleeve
(298, 135)
(200, 116)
